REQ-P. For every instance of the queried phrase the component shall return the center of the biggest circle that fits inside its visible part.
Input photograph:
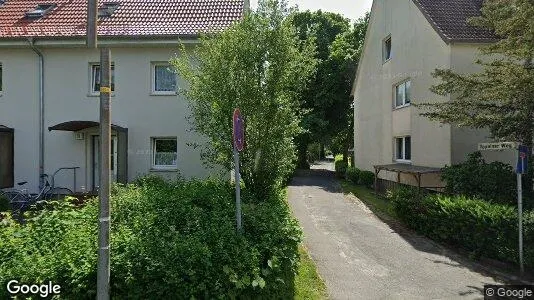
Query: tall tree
(326, 101)
(260, 66)
(501, 96)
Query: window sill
(403, 161)
(402, 106)
(168, 170)
(386, 61)
(153, 93)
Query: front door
(96, 160)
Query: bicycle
(21, 201)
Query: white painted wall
(416, 51)
(67, 98)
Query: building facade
(406, 41)
(56, 126)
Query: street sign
(239, 130)
(522, 160)
(497, 146)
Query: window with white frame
(403, 94)
(95, 78)
(403, 148)
(386, 49)
(164, 153)
(163, 79)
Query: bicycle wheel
(18, 203)
(58, 193)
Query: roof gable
(449, 19)
(131, 18)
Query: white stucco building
(405, 42)
(42, 130)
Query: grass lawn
(308, 284)
(379, 205)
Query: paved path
(361, 257)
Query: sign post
(239, 144)
(522, 163)
(522, 167)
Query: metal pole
(520, 216)
(103, 273)
(237, 190)
(92, 8)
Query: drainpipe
(41, 111)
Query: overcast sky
(352, 9)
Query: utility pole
(103, 267)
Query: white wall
(416, 51)
(67, 98)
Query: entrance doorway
(95, 158)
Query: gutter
(41, 111)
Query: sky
(352, 9)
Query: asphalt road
(361, 257)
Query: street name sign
(497, 146)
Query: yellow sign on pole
(105, 89)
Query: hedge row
(169, 240)
(483, 228)
(357, 176)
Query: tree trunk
(323, 152)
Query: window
(403, 94)
(95, 78)
(403, 148)
(1, 88)
(163, 79)
(386, 49)
(164, 153)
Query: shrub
(484, 228)
(367, 178)
(169, 240)
(353, 175)
(475, 178)
(341, 168)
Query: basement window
(403, 149)
(107, 9)
(40, 10)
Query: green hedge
(169, 240)
(367, 178)
(475, 178)
(353, 175)
(483, 228)
(341, 168)
(357, 176)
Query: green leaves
(501, 96)
(261, 67)
(169, 240)
(484, 228)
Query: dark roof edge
(446, 39)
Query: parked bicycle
(21, 200)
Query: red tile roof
(150, 18)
